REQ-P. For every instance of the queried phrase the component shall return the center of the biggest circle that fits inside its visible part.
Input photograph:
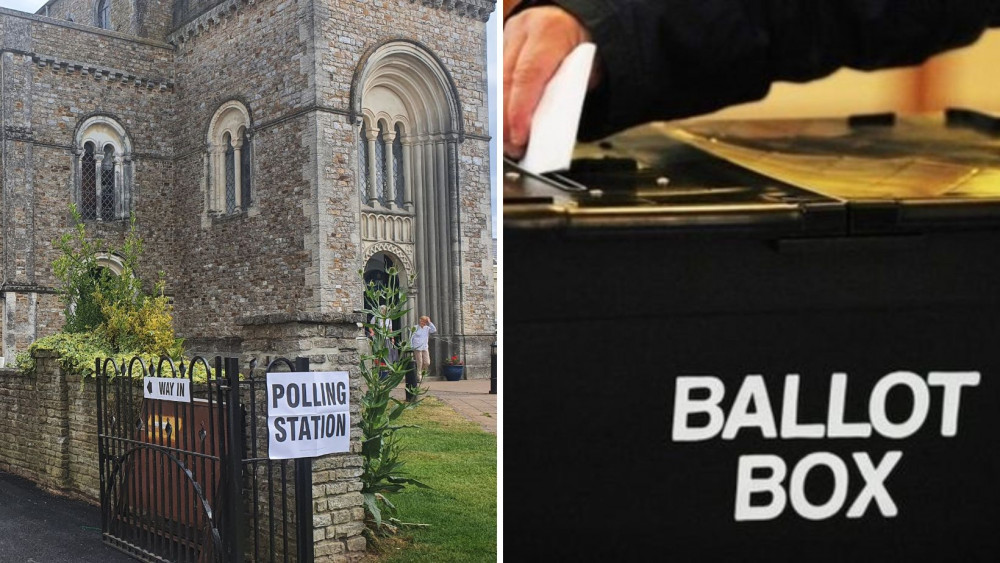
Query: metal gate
(188, 479)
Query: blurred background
(961, 78)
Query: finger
(536, 62)
(513, 42)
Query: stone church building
(270, 150)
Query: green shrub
(82, 280)
(144, 324)
(107, 315)
(77, 351)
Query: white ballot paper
(557, 118)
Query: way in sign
(166, 389)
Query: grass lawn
(459, 461)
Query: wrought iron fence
(186, 477)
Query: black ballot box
(757, 341)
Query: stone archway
(402, 95)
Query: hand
(535, 42)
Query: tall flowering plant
(382, 371)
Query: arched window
(103, 170)
(104, 14)
(401, 82)
(230, 160)
(379, 163)
(363, 162)
(108, 182)
(397, 166)
(84, 311)
(88, 193)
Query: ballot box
(757, 341)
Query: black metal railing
(160, 462)
(189, 479)
(493, 369)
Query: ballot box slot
(867, 217)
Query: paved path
(36, 527)
(470, 397)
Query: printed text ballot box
(308, 414)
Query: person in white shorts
(421, 335)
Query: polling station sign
(308, 414)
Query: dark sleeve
(669, 59)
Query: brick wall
(48, 429)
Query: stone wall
(266, 273)
(48, 429)
(154, 19)
(55, 75)
(84, 12)
(145, 18)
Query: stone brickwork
(48, 429)
(268, 274)
(84, 12)
(151, 19)
(54, 76)
(154, 19)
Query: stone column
(98, 182)
(390, 173)
(119, 186)
(238, 172)
(9, 321)
(127, 184)
(218, 178)
(408, 178)
(442, 240)
(455, 244)
(77, 175)
(17, 182)
(372, 179)
(418, 221)
(431, 288)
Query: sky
(491, 48)
(23, 5)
